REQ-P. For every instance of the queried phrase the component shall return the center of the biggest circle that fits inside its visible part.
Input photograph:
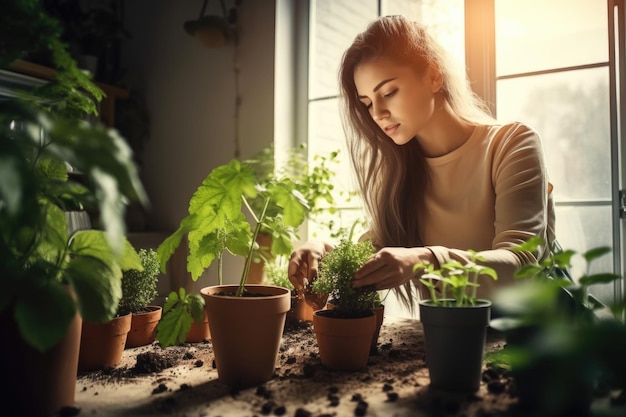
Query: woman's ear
(436, 78)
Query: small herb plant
(458, 281)
(335, 278)
(179, 312)
(139, 288)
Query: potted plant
(54, 278)
(344, 332)
(139, 289)
(562, 343)
(453, 317)
(184, 319)
(217, 223)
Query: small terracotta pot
(102, 344)
(379, 312)
(344, 343)
(246, 331)
(143, 327)
(199, 332)
(300, 311)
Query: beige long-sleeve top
(490, 195)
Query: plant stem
(246, 269)
(220, 262)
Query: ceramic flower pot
(344, 343)
(246, 331)
(40, 384)
(199, 332)
(455, 342)
(143, 327)
(102, 344)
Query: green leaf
(98, 288)
(293, 203)
(173, 327)
(167, 248)
(202, 255)
(93, 243)
(595, 253)
(602, 278)
(43, 314)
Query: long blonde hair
(392, 179)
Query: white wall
(190, 92)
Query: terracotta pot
(40, 384)
(300, 310)
(102, 344)
(143, 327)
(246, 331)
(455, 342)
(199, 332)
(344, 343)
(379, 312)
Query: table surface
(395, 383)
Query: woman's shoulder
(511, 129)
(511, 134)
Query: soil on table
(396, 379)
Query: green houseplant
(454, 317)
(180, 311)
(139, 289)
(344, 332)
(53, 162)
(221, 218)
(562, 343)
(49, 276)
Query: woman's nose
(379, 112)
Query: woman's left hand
(391, 267)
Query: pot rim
(480, 303)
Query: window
(552, 72)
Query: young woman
(438, 175)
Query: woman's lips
(391, 129)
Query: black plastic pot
(455, 342)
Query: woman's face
(400, 100)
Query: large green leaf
(167, 248)
(292, 202)
(202, 254)
(98, 288)
(173, 327)
(53, 234)
(43, 312)
(93, 243)
(223, 188)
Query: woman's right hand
(304, 263)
